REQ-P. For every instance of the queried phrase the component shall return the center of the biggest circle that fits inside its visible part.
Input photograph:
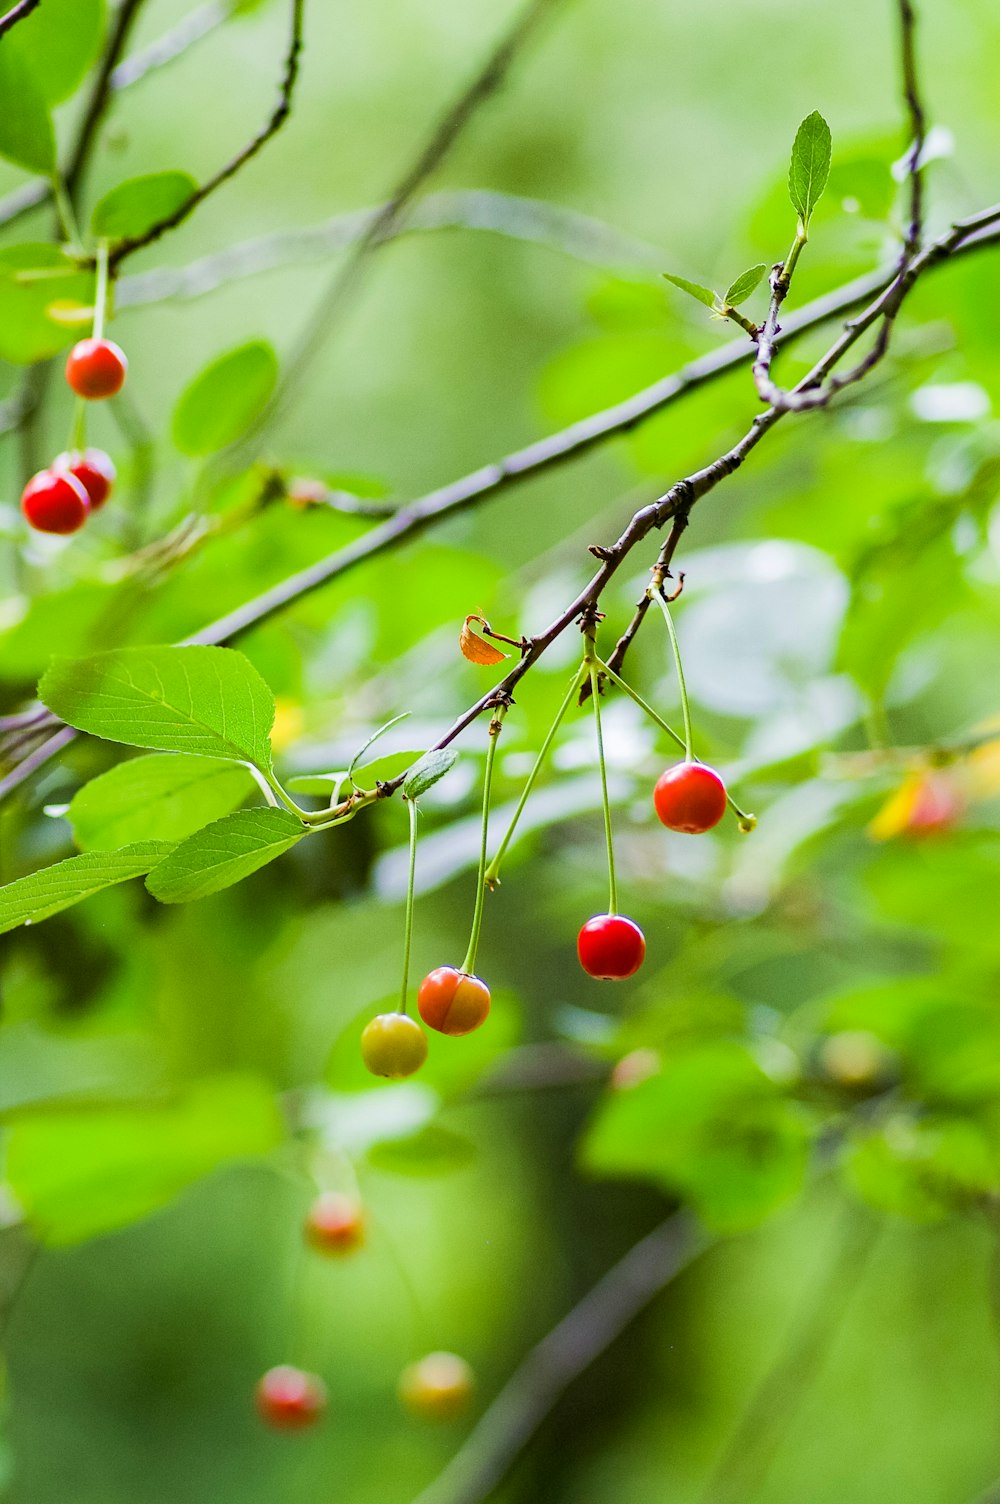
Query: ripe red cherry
(96, 368)
(335, 1223)
(611, 947)
(289, 1399)
(452, 1001)
(93, 469)
(690, 798)
(55, 502)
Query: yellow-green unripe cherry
(393, 1045)
(439, 1387)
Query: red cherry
(289, 1399)
(96, 368)
(611, 947)
(335, 1223)
(55, 502)
(690, 798)
(93, 469)
(452, 1001)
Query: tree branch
(77, 166)
(17, 13)
(529, 1396)
(166, 49)
(978, 231)
(128, 247)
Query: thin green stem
(411, 805)
(791, 260)
(595, 695)
(496, 724)
(747, 821)
(661, 601)
(492, 874)
(101, 294)
(65, 211)
(78, 425)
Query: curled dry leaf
(474, 648)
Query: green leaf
(225, 852)
(432, 1151)
(703, 294)
(32, 899)
(923, 1168)
(139, 203)
(810, 165)
(224, 399)
(84, 1172)
(26, 133)
(710, 1126)
(207, 701)
(431, 767)
(33, 278)
(58, 42)
(744, 285)
(373, 739)
(162, 797)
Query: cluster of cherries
(690, 798)
(60, 498)
(438, 1387)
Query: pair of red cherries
(689, 798)
(60, 498)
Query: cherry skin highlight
(335, 1223)
(452, 1001)
(611, 947)
(289, 1399)
(92, 468)
(439, 1387)
(55, 502)
(690, 798)
(393, 1045)
(96, 368)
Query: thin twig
(976, 232)
(536, 1386)
(174, 43)
(17, 13)
(487, 82)
(76, 168)
(280, 114)
(816, 395)
(659, 572)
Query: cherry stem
(496, 726)
(591, 662)
(101, 294)
(411, 805)
(616, 679)
(660, 598)
(64, 209)
(78, 426)
(492, 874)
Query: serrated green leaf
(161, 797)
(373, 739)
(224, 853)
(84, 1172)
(208, 701)
(809, 168)
(224, 399)
(431, 767)
(139, 203)
(744, 285)
(59, 41)
(432, 1151)
(31, 899)
(26, 133)
(33, 277)
(695, 290)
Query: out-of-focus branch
(524, 219)
(280, 114)
(76, 167)
(174, 43)
(536, 1386)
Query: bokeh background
(841, 618)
